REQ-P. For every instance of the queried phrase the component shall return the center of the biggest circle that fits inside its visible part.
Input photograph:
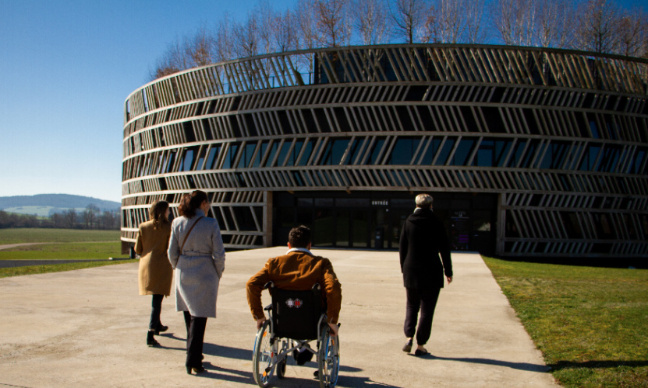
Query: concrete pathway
(88, 327)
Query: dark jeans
(195, 337)
(156, 311)
(425, 301)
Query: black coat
(422, 239)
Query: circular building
(528, 152)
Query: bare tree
(475, 29)
(633, 34)
(70, 217)
(554, 23)
(515, 21)
(200, 49)
(266, 26)
(306, 21)
(409, 17)
(332, 22)
(224, 40)
(246, 37)
(445, 23)
(371, 20)
(597, 27)
(172, 61)
(90, 215)
(286, 32)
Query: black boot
(161, 328)
(150, 340)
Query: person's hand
(334, 328)
(449, 279)
(260, 322)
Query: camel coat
(199, 266)
(155, 272)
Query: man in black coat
(422, 239)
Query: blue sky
(66, 67)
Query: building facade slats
(558, 139)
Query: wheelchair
(296, 318)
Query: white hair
(424, 201)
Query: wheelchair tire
(263, 358)
(281, 369)
(328, 358)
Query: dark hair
(299, 237)
(190, 202)
(157, 212)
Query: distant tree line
(90, 218)
(600, 26)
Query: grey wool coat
(200, 265)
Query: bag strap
(188, 233)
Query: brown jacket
(155, 272)
(297, 271)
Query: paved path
(87, 328)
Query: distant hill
(44, 205)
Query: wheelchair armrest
(268, 307)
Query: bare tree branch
(597, 27)
(409, 17)
(515, 21)
(633, 34)
(333, 22)
(371, 20)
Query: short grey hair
(424, 201)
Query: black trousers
(425, 301)
(195, 337)
(156, 310)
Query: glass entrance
(361, 221)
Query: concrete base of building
(88, 328)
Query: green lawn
(591, 324)
(29, 235)
(36, 269)
(59, 244)
(64, 251)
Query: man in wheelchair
(306, 300)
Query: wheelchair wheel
(264, 356)
(281, 369)
(328, 358)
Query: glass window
(292, 158)
(485, 154)
(263, 146)
(308, 150)
(246, 158)
(445, 151)
(188, 160)
(231, 156)
(375, 151)
(591, 154)
(334, 151)
(403, 151)
(211, 158)
(463, 152)
(283, 153)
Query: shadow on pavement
(525, 366)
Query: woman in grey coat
(197, 254)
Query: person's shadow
(525, 366)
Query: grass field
(59, 244)
(591, 324)
(31, 235)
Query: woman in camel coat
(155, 272)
